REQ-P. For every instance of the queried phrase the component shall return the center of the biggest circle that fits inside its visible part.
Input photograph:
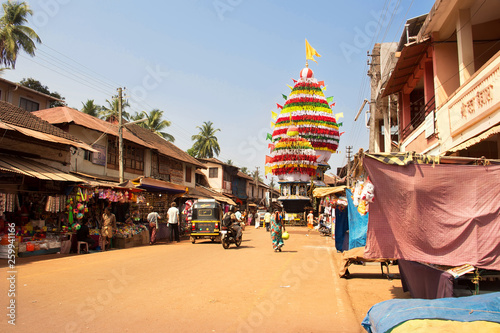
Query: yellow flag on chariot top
(310, 52)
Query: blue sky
(225, 61)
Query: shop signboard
(479, 99)
(99, 157)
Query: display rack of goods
(129, 235)
(50, 244)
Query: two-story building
(23, 97)
(153, 162)
(446, 81)
(220, 175)
(35, 178)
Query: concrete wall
(12, 93)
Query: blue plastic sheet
(388, 314)
(358, 224)
(341, 226)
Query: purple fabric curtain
(441, 214)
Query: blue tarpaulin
(341, 227)
(358, 224)
(388, 314)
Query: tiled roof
(244, 175)
(132, 132)
(14, 115)
(66, 115)
(216, 161)
(163, 146)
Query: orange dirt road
(184, 287)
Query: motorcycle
(325, 230)
(228, 237)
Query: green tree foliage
(89, 107)
(14, 34)
(154, 123)
(110, 112)
(205, 142)
(191, 152)
(38, 86)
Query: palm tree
(229, 162)
(14, 35)
(206, 144)
(154, 123)
(110, 112)
(91, 108)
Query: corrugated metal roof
(152, 184)
(35, 169)
(48, 137)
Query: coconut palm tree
(91, 108)
(154, 123)
(206, 144)
(110, 112)
(14, 35)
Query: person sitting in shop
(83, 234)
(128, 219)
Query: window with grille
(213, 172)
(28, 105)
(133, 156)
(88, 155)
(188, 174)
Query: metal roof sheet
(35, 169)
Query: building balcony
(472, 110)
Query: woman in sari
(276, 231)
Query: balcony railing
(419, 118)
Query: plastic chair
(85, 244)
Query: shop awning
(324, 191)
(197, 193)
(156, 185)
(35, 169)
(224, 199)
(483, 136)
(405, 67)
(47, 137)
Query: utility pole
(256, 176)
(120, 136)
(348, 177)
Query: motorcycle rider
(235, 224)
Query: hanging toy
(70, 211)
(368, 192)
(362, 207)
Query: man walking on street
(153, 225)
(173, 222)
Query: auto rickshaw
(206, 220)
